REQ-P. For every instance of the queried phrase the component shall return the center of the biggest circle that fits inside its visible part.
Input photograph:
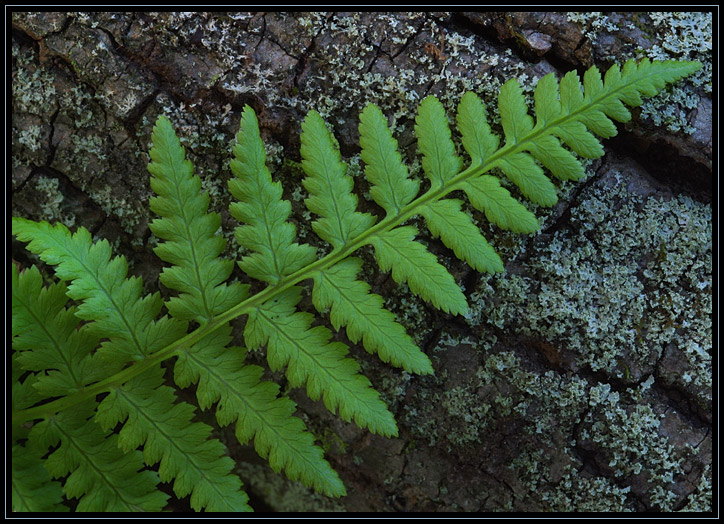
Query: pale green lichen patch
(628, 278)
(701, 500)
(561, 419)
(30, 138)
(626, 433)
(32, 86)
(52, 199)
(583, 494)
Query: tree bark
(580, 381)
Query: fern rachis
(126, 365)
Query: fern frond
(566, 113)
(183, 449)
(99, 473)
(132, 319)
(487, 195)
(477, 138)
(439, 162)
(353, 306)
(24, 393)
(336, 287)
(55, 354)
(392, 189)
(446, 220)
(311, 359)
(191, 243)
(412, 263)
(263, 211)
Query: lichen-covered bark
(581, 379)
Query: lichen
(30, 138)
(575, 493)
(700, 500)
(32, 86)
(52, 199)
(621, 427)
(622, 282)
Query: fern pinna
(90, 404)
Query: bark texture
(580, 380)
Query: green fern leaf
(311, 359)
(336, 287)
(47, 336)
(440, 163)
(191, 242)
(24, 393)
(556, 159)
(520, 168)
(353, 306)
(113, 302)
(257, 410)
(183, 449)
(391, 187)
(446, 220)
(320, 365)
(514, 117)
(529, 177)
(412, 263)
(477, 138)
(571, 100)
(331, 190)
(487, 195)
(53, 342)
(267, 232)
(74, 256)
